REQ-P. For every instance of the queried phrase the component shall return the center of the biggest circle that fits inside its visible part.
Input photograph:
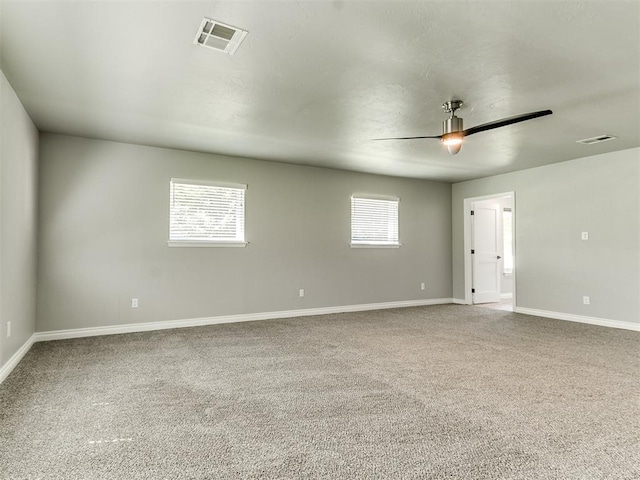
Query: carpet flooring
(437, 392)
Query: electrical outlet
(301, 292)
(8, 329)
(585, 235)
(586, 300)
(422, 286)
(134, 303)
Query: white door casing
(486, 228)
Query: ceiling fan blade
(409, 138)
(505, 121)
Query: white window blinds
(374, 221)
(203, 212)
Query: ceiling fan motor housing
(452, 124)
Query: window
(507, 226)
(206, 214)
(374, 222)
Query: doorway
(489, 246)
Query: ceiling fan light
(454, 147)
(452, 140)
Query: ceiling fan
(453, 134)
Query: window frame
(213, 242)
(375, 244)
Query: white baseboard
(8, 367)
(603, 322)
(249, 317)
(458, 301)
(504, 296)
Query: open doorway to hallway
(490, 251)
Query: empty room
(319, 239)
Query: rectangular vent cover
(219, 36)
(598, 139)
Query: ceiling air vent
(598, 139)
(219, 36)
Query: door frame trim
(468, 280)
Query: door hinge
(473, 251)
(473, 290)
(472, 212)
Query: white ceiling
(315, 81)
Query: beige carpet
(442, 392)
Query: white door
(486, 241)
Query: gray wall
(553, 205)
(104, 226)
(18, 200)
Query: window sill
(204, 243)
(376, 245)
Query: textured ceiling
(315, 81)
